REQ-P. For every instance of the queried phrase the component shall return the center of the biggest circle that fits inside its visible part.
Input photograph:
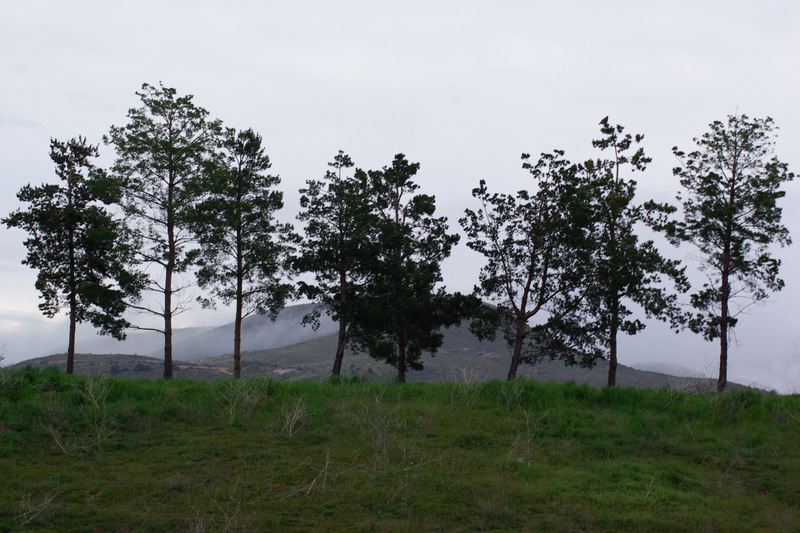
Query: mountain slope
(461, 358)
(189, 344)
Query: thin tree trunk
(237, 327)
(612, 359)
(612, 345)
(168, 325)
(168, 301)
(171, 251)
(722, 381)
(516, 356)
(73, 303)
(614, 254)
(237, 337)
(73, 311)
(337, 361)
(401, 360)
(725, 293)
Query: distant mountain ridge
(190, 344)
(461, 358)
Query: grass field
(107, 454)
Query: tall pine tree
(76, 244)
(244, 249)
(161, 152)
(403, 307)
(340, 241)
(731, 187)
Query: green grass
(82, 453)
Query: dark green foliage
(76, 245)
(403, 307)
(623, 268)
(243, 248)
(731, 185)
(538, 247)
(340, 241)
(377, 456)
(161, 152)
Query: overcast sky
(463, 87)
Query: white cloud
(462, 87)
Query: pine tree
(731, 187)
(624, 269)
(339, 243)
(75, 244)
(161, 152)
(403, 307)
(244, 250)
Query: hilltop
(106, 454)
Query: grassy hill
(103, 454)
(461, 358)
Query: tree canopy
(566, 266)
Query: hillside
(102, 454)
(259, 332)
(461, 358)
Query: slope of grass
(93, 453)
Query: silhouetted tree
(538, 247)
(163, 149)
(731, 185)
(402, 308)
(243, 249)
(340, 241)
(76, 244)
(624, 269)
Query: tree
(74, 244)
(243, 248)
(731, 185)
(623, 268)
(163, 149)
(339, 242)
(538, 248)
(401, 310)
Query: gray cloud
(462, 87)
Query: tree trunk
(612, 345)
(401, 360)
(337, 361)
(73, 311)
(237, 336)
(612, 359)
(516, 356)
(725, 293)
(237, 325)
(171, 251)
(168, 311)
(73, 303)
(168, 326)
(722, 381)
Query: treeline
(188, 201)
